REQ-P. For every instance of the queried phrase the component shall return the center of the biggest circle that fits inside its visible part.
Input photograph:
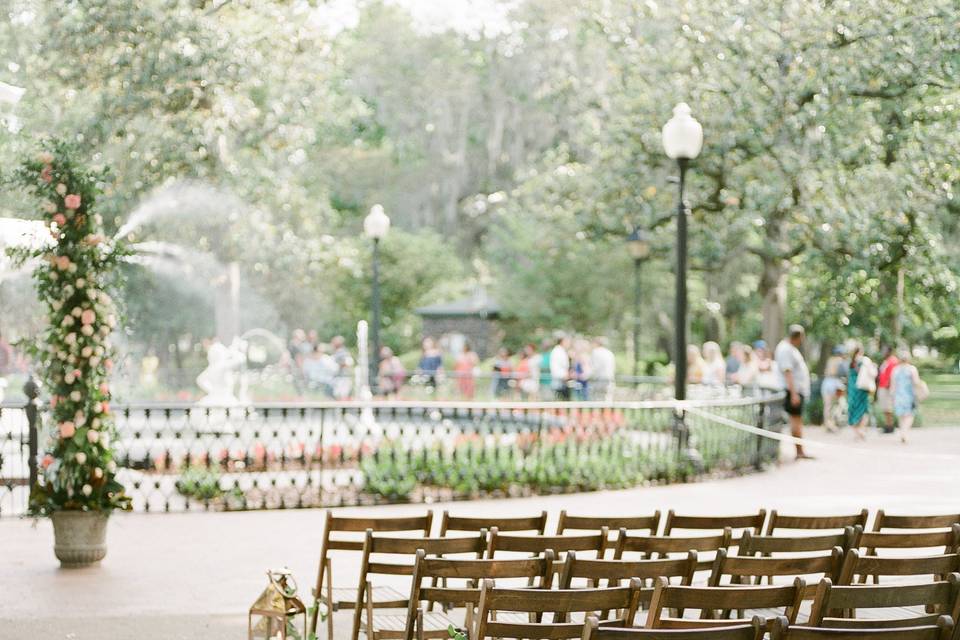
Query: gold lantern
(274, 615)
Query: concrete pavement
(193, 575)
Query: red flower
(46, 174)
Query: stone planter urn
(80, 537)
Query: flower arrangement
(74, 354)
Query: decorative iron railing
(181, 457)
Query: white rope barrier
(806, 442)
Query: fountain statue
(223, 380)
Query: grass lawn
(942, 408)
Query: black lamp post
(682, 141)
(375, 226)
(638, 243)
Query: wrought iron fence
(181, 457)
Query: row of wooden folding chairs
(941, 629)
(652, 545)
(540, 574)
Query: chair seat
(346, 597)
(394, 624)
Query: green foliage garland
(74, 352)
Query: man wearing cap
(794, 379)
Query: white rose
(70, 338)
(112, 466)
(76, 311)
(69, 378)
(98, 219)
(56, 305)
(67, 321)
(94, 361)
(75, 396)
(81, 457)
(72, 268)
(81, 283)
(62, 355)
(87, 329)
(104, 330)
(111, 320)
(92, 294)
(93, 435)
(105, 440)
(95, 423)
(98, 473)
(86, 352)
(61, 189)
(54, 276)
(99, 351)
(87, 490)
(49, 207)
(97, 407)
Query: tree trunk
(773, 289)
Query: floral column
(74, 354)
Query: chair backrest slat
(815, 523)
(948, 539)
(752, 521)
(828, 565)
(752, 544)
(538, 544)
(940, 521)
(856, 564)
(650, 545)
(650, 524)
(536, 524)
(592, 630)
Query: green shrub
(200, 483)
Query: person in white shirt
(560, 368)
(604, 367)
(794, 379)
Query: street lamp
(638, 244)
(682, 141)
(376, 225)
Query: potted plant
(77, 487)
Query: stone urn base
(80, 537)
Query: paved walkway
(193, 575)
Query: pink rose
(47, 461)
(46, 174)
(72, 201)
(63, 263)
(60, 220)
(108, 364)
(104, 388)
(88, 316)
(53, 401)
(67, 429)
(105, 407)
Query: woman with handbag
(861, 383)
(908, 390)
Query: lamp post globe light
(638, 244)
(375, 226)
(682, 141)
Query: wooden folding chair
(856, 565)
(712, 602)
(373, 563)
(535, 524)
(837, 605)
(753, 631)
(636, 524)
(470, 573)
(783, 630)
(815, 523)
(539, 603)
(615, 572)
(753, 521)
(667, 546)
(336, 598)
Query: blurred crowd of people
(320, 366)
(564, 368)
